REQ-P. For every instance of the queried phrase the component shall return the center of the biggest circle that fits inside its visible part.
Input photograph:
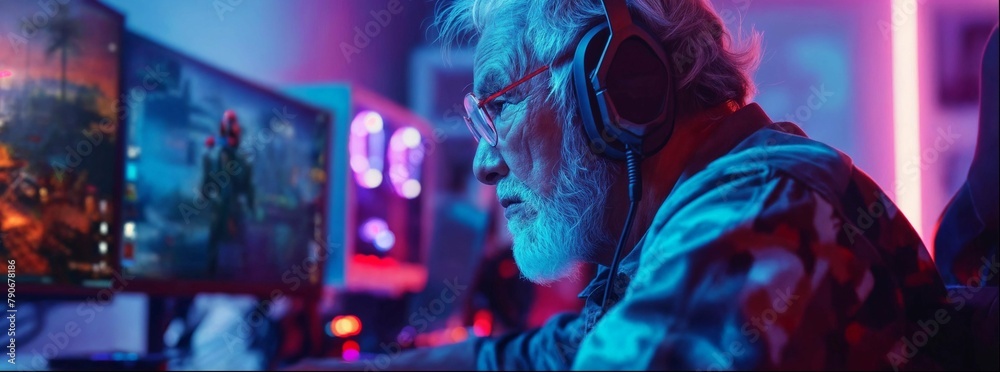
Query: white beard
(553, 235)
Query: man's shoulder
(779, 151)
(782, 148)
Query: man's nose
(489, 165)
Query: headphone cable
(634, 194)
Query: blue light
(385, 240)
(131, 172)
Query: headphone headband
(616, 12)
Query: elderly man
(751, 246)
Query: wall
(846, 47)
(279, 43)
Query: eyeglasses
(479, 120)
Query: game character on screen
(227, 174)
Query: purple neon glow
(350, 355)
(411, 188)
(376, 231)
(371, 229)
(366, 147)
(406, 157)
(385, 240)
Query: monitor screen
(224, 180)
(59, 141)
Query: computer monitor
(59, 144)
(225, 181)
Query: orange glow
(459, 334)
(906, 114)
(345, 326)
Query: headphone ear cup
(587, 56)
(630, 103)
(640, 85)
(637, 82)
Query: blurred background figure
(967, 236)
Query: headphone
(626, 97)
(624, 87)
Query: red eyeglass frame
(481, 106)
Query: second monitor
(224, 181)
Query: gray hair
(535, 32)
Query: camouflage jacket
(773, 252)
